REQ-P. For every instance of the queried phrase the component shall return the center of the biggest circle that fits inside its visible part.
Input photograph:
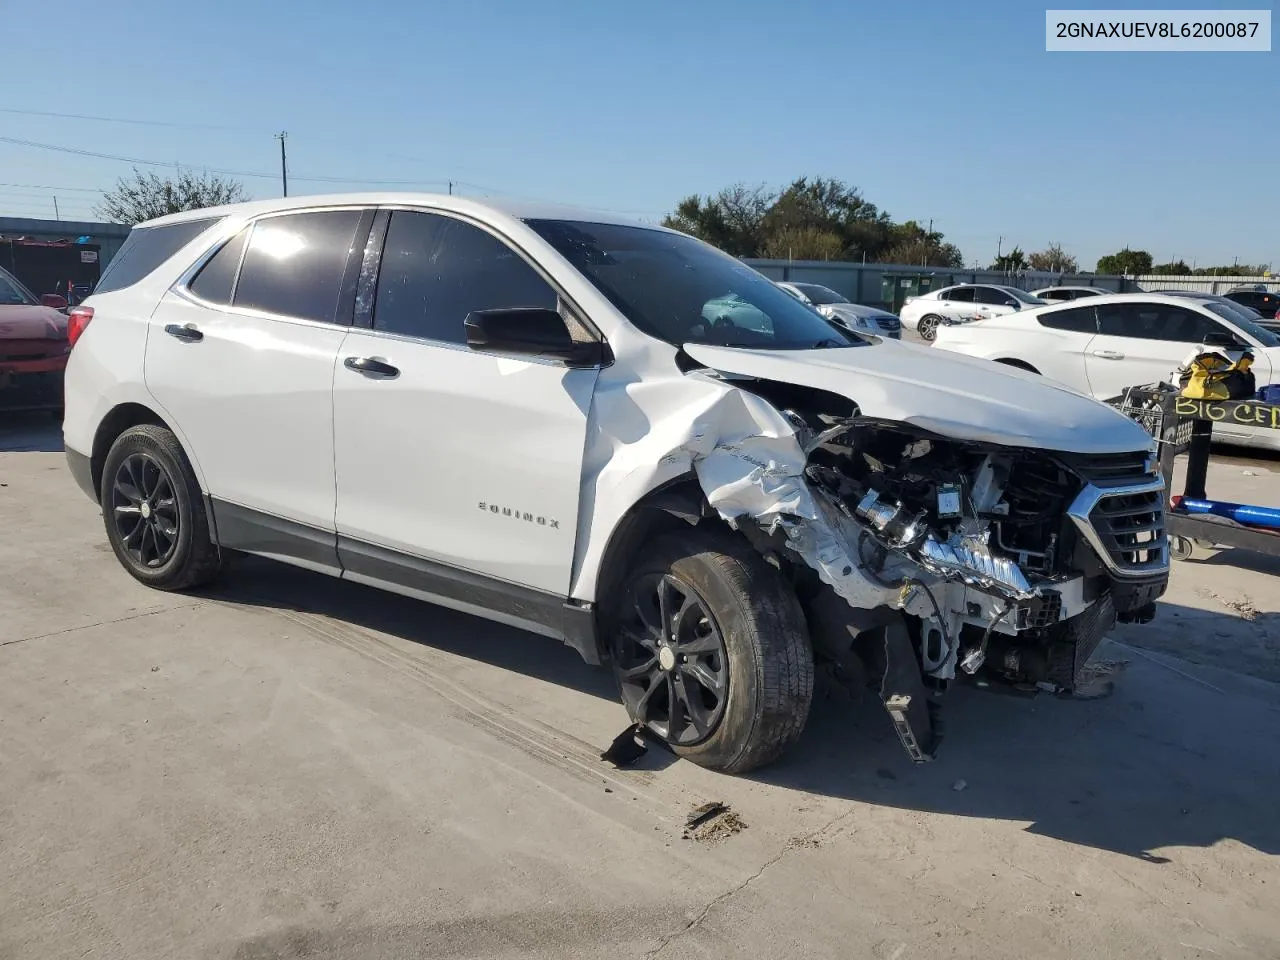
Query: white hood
(944, 393)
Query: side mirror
(1223, 340)
(1013, 303)
(529, 332)
(57, 301)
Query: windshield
(1023, 295)
(682, 291)
(14, 294)
(1260, 333)
(818, 294)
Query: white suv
(532, 414)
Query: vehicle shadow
(1165, 760)
(30, 432)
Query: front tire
(928, 327)
(710, 651)
(154, 512)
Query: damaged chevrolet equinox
(614, 435)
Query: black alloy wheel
(145, 510)
(671, 660)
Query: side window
(435, 270)
(295, 264)
(1154, 321)
(216, 280)
(1074, 319)
(993, 295)
(146, 248)
(962, 295)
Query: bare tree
(145, 196)
(1053, 259)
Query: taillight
(77, 320)
(1278, 314)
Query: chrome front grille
(1123, 519)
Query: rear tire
(928, 327)
(735, 655)
(154, 511)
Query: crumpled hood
(944, 393)
(32, 323)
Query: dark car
(33, 347)
(1266, 302)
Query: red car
(33, 347)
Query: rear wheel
(154, 512)
(710, 651)
(928, 327)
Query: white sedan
(837, 307)
(1054, 294)
(1103, 345)
(962, 303)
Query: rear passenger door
(1062, 338)
(453, 463)
(241, 357)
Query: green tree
(813, 218)
(145, 196)
(1053, 259)
(913, 244)
(831, 206)
(1234, 270)
(1011, 262)
(730, 219)
(1131, 262)
(1176, 268)
(803, 243)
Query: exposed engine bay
(949, 555)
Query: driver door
(451, 462)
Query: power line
(76, 151)
(45, 186)
(144, 123)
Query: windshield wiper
(829, 342)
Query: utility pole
(999, 249)
(284, 172)
(924, 254)
(451, 188)
(56, 214)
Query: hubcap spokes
(145, 510)
(671, 660)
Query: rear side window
(216, 279)
(1076, 320)
(435, 270)
(146, 248)
(295, 264)
(962, 295)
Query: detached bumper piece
(914, 713)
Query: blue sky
(944, 110)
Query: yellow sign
(1241, 411)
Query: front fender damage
(756, 466)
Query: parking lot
(291, 766)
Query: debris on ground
(803, 843)
(959, 785)
(627, 747)
(712, 822)
(1244, 606)
(1097, 680)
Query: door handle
(186, 332)
(371, 367)
(1109, 354)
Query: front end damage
(918, 557)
